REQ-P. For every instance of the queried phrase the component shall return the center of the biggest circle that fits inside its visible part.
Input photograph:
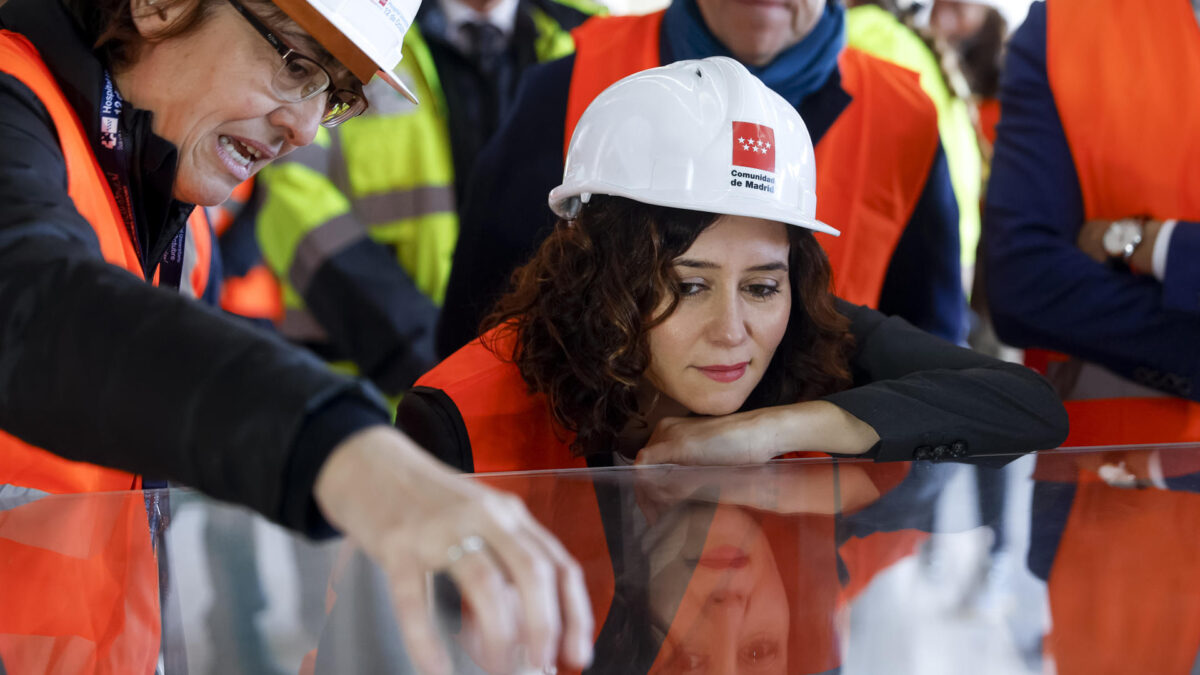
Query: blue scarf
(795, 73)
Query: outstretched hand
(413, 516)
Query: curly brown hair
(581, 309)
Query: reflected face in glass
(733, 615)
(711, 352)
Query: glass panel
(1064, 562)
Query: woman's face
(211, 95)
(719, 598)
(713, 350)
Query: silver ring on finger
(471, 543)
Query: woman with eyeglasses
(116, 118)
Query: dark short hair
(582, 308)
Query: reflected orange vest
(1139, 57)
(871, 164)
(78, 577)
(1123, 592)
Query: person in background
(884, 181)
(119, 116)
(360, 226)
(1093, 213)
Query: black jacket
(97, 365)
(926, 398)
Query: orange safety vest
(871, 164)
(1143, 54)
(78, 577)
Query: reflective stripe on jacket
(1126, 168)
(871, 165)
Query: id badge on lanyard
(113, 155)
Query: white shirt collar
(503, 16)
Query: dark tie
(485, 44)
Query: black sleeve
(505, 215)
(924, 278)
(430, 417)
(928, 399)
(98, 366)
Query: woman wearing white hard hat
(681, 312)
(116, 117)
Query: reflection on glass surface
(791, 568)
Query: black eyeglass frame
(290, 55)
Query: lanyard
(113, 156)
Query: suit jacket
(926, 398)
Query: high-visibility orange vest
(1126, 165)
(78, 577)
(871, 164)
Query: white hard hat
(703, 135)
(364, 35)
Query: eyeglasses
(300, 78)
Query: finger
(575, 646)
(486, 591)
(535, 576)
(425, 646)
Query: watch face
(1120, 235)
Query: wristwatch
(1122, 238)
